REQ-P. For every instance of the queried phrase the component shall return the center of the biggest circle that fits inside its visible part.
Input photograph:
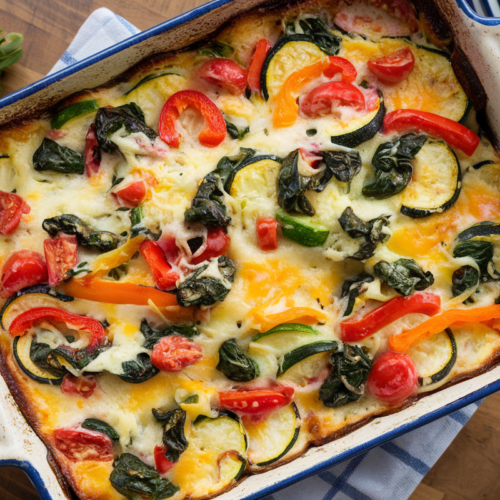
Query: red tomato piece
(213, 133)
(132, 195)
(80, 444)
(324, 99)
(168, 243)
(56, 134)
(225, 74)
(163, 464)
(12, 207)
(357, 328)
(255, 68)
(92, 155)
(217, 244)
(343, 66)
(412, 120)
(83, 386)
(163, 275)
(395, 67)
(257, 401)
(267, 233)
(22, 269)
(26, 320)
(174, 353)
(61, 256)
(393, 378)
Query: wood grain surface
(468, 470)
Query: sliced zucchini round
(290, 54)
(255, 178)
(434, 358)
(300, 229)
(225, 439)
(72, 111)
(148, 79)
(29, 298)
(22, 348)
(360, 129)
(287, 327)
(436, 182)
(485, 230)
(272, 438)
(304, 351)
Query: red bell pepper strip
(213, 133)
(163, 275)
(342, 66)
(257, 401)
(255, 68)
(61, 256)
(411, 120)
(357, 328)
(92, 155)
(26, 320)
(162, 463)
(267, 233)
(217, 244)
(12, 207)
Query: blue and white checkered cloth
(391, 471)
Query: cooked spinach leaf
(80, 358)
(109, 120)
(198, 290)
(43, 356)
(138, 370)
(328, 42)
(369, 233)
(217, 49)
(86, 235)
(173, 432)
(464, 278)
(57, 158)
(392, 165)
(347, 378)
(137, 481)
(152, 335)
(235, 132)
(482, 252)
(208, 204)
(235, 364)
(344, 165)
(353, 288)
(404, 275)
(94, 424)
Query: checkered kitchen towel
(391, 471)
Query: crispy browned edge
(434, 22)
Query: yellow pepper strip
(109, 260)
(304, 315)
(285, 103)
(439, 323)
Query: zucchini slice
(486, 230)
(290, 54)
(360, 129)
(272, 438)
(29, 298)
(225, 440)
(436, 182)
(22, 348)
(301, 229)
(72, 111)
(255, 178)
(286, 327)
(148, 79)
(304, 351)
(434, 358)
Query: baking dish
(480, 45)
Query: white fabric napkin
(389, 472)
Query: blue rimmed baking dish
(478, 37)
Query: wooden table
(468, 470)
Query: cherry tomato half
(267, 233)
(81, 444)
(257, 401)
(393, 378)
(255, 68)
(225, 74)
(83, 386)
(92, 155)
(12, 207)
(163, 464)
(217, 244)
(174, 353)
(132, 195)
(61, 256)
(22, 269)
(395, 67)
(324, 99)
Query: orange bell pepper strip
(113, 292)
(304, 315)
(285, 103)
(439, 323)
